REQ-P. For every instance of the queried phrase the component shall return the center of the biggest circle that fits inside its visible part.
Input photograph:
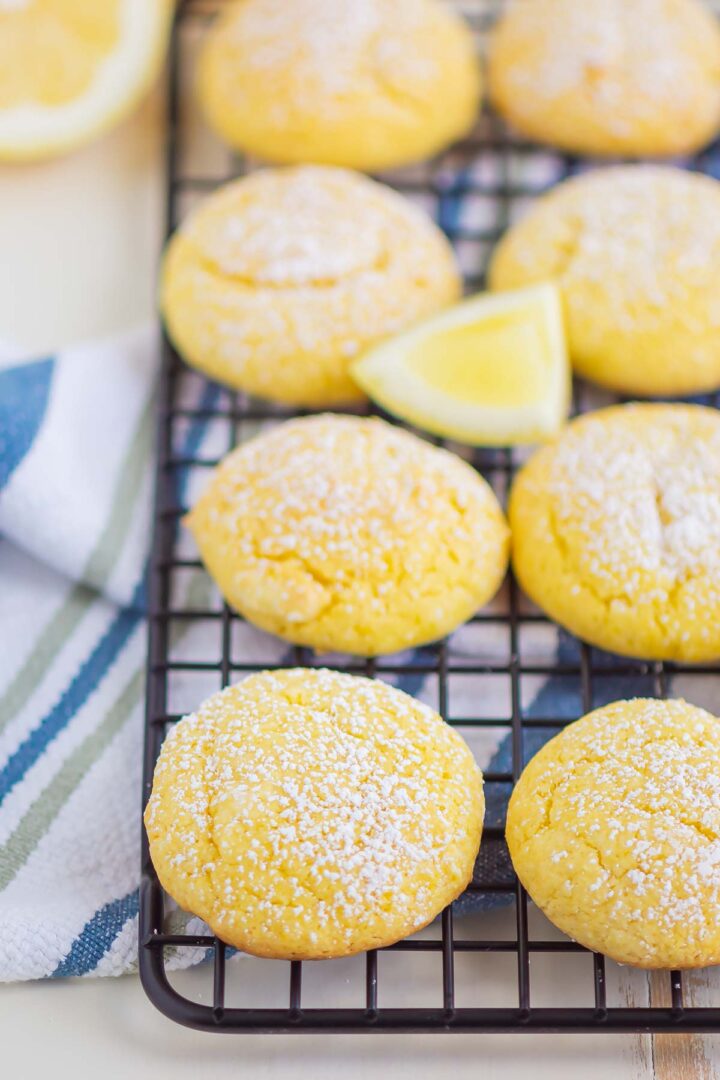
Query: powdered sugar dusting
(326, 52)
(298, 227)
(643, 486)
(293, 228)
(631, 795)
(632, 503)
(355, 521)
(272, 286)
(630, 64)
(334, 805)
(639, 243)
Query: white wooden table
(80, 242)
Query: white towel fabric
(86, 469)
(76, 436)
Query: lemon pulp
(491, 371)
(491, 363)
(71, 68)
(50, 50)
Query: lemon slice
(69, 68)
(492, 371)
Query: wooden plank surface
(686, 1057)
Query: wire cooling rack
(508, 680)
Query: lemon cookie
(616, 530)
(307, 814)
(347, 534)
(360, 83)
(279, 280)
(614, 830)
(636, 252)
(609, 77)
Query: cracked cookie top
(614, 830)
(350, 535)
(279, 280)
(635, 251)
(616, 530)
(362, 83)
(307, 813)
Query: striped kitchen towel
(76, 434)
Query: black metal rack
(591, 677)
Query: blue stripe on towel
(97, 936)
(103, 655)
(450, 204)
(100, 933)
(85, 682)
(24, 393)
(197, 429)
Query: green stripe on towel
(97, 571)
(39, 817)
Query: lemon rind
(383, 375)
(31, 132)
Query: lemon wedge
(69, 68)
(492, 371)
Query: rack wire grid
(501, 968)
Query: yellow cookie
(635, 251)
(279, 280)
(616, 530)
(362, 83)
(614, 830)
(307, 814)
(631, 78)
(350, 535)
